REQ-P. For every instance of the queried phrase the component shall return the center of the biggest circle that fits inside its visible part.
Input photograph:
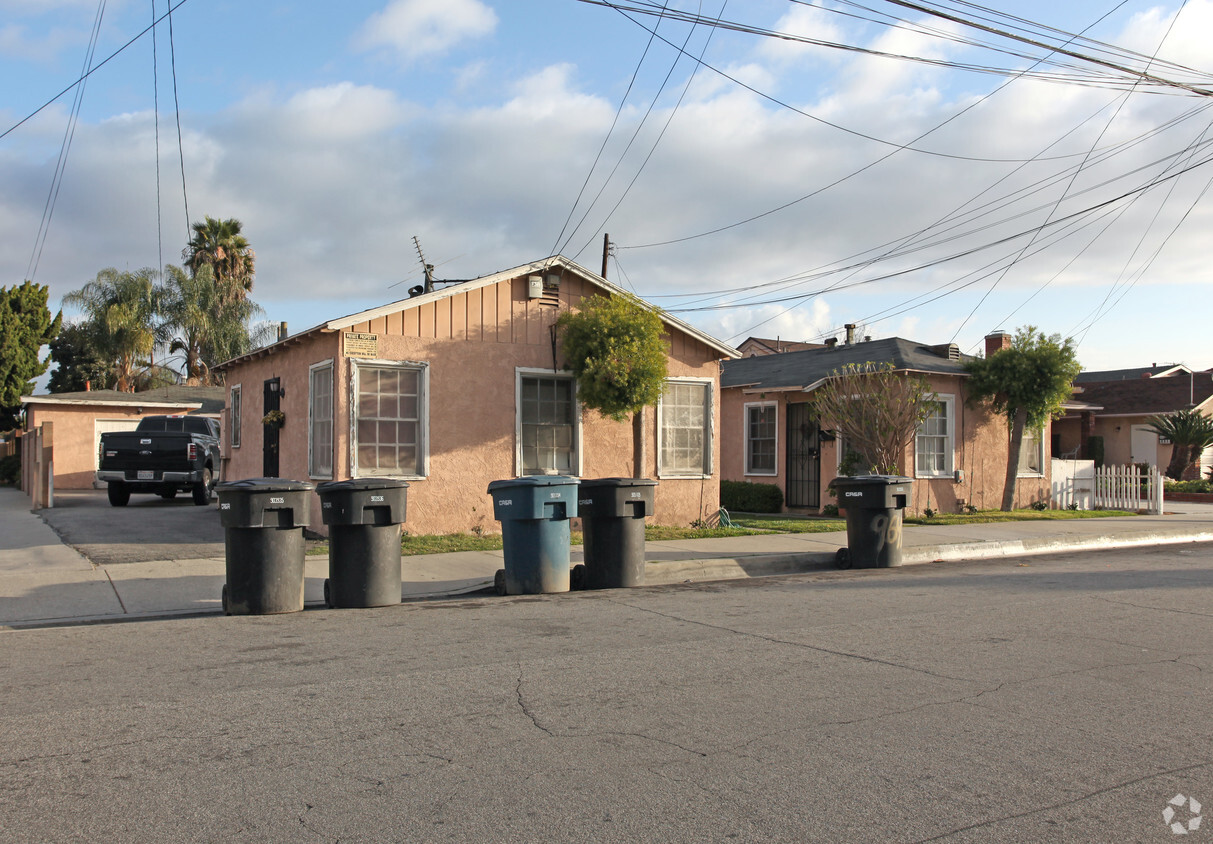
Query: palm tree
(203, 323)
(219, 245)
(122, 308)
(1190, 434)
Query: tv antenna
(429, 268)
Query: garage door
(104, 426)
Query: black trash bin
(874, 505)
(263, 521)
(612, 512)
(534, 512)
(364, 517)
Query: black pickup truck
(164, 455)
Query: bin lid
(866, 480)
(361, 484)
(534, 480)
(617, 482)
(264, 485)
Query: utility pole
(606, 251)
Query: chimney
(282, 332)
(850, 327)
(88, 386)
(997, 341)
(831, 342)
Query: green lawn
(742, 526)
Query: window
(390, 423)
(760, 438)
(1031, 453)
(935, 444)
(547, 425)
(684, 445)
(320, 421)
(235, 420)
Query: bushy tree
(80, 360)
(1190, 434)
(26, 326)
(1028, 383)
(877, 409)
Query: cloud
(417, 28)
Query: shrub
(1187, 486)
(829, 510)
(10, 469)
(748, 497)
(1039, 504)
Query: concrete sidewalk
(44, 582)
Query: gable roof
(533, 268)
(200, 399)
(806, 369)
(1149, 396)
(1151, 371)
(765, 346)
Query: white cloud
(416, 28)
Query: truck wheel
(202, 489)
(118, 494)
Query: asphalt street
(1061, 698)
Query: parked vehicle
(163, 455)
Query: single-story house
(80, 418)
(457, 387)
(753, 346)
(958, 458)
(1118, 407)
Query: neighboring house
(959, 457)
(1152, 371)
(753, 346)
(461, 386)
(1118, 409)
(81, 418)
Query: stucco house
(80, 418)
(1116, 405)
(958, 458)
(460, 386)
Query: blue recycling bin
(534, 512)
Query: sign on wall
(358, 345)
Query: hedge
(745, 497)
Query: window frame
(423, 415)
(709, 440)
(311, 419)
(1039, 436)
(521, 372)
(948, 400)
(749, 440)
(235, 403)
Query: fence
(1079, 484)
(38, 465)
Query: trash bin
(263, 521)
(364, 517)
(534, 512)
(612, 512)
(874, 505)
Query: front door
(1143, 444)
(269, 443)
(804, 458)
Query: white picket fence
(1108, 487)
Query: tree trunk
(639, 455)
(1008, 489)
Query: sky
(781, 176)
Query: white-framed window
(684, 429)
(761, 438)
(547, 423)
(391, 419)
(1032, 454)
(935, 444)
(320, 420)
(234, 422)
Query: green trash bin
(874, 505)
(364, 516)
(534, 512)
(612, 512)
(263, 521)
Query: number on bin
(225, 506)
(376, 498)
(277, 500)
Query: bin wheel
(328, 594)
(499, 582)
(842, 558)
(223, 600)
(577, 577)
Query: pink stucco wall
(980, 453)
(472, 343)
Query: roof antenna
(429, 268)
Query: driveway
(149, 528)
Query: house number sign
(359, 345)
